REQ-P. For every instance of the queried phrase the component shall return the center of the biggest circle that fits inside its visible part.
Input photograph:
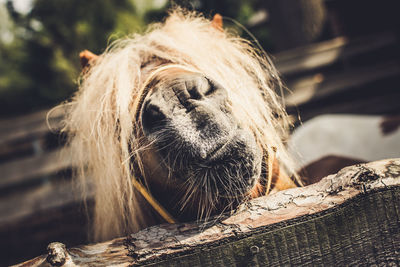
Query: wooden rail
(29, 127)
(321, 86)
(323, 54)
(354, 212)
(31, 168)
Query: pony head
(184, 116)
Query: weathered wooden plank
(29, 126)
(326, 53)
(359, 199)
(38, 199)
(14, 150)
(319, 86)
(31, 168)
(378, 104)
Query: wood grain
(330, 223)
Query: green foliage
(39, 63)
(39, 67)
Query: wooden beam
(382, 104)
(319, 86)
(32, 168)
(326, 53)
(39, 199)
(354, 212)
(29, 126)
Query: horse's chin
(230, 172)
(193, 187)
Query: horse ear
(86, 57)
(217, 22)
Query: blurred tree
(39, 63)
(39, 48)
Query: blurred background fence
(335, 56)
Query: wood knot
(254, 250)
(56, 254)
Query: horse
(179, 123)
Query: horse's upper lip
(219, 148)
(216, 151)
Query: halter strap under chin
(153, 202)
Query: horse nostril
(211, 88)
(194, 90)
(152, 117)
(197, 88)
(204, 87)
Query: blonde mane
(101, 115)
